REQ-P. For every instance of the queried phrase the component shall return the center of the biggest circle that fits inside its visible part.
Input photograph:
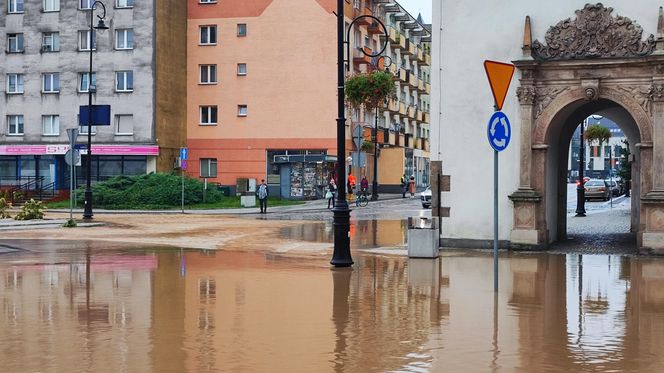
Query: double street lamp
(87, 211)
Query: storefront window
(110, 167)
(7, 169)
(135, 165)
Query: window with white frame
(242, 110)
(208, 74)
(208, 35)
(124, 3)
(207, 1)
(15, 125)
(51, 5)
(50, 125)
(85, 4)
(51, 82)
(208, 115)
(14, 83)
(84, 42)
(15, 43)
(50, 42)
(124, 39)
(15, 6)
(83, 128)
(242, 69)
(84, 82)
(208, 167)
(124, 81)
(124, 124)
(241, 29)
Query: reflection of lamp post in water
(340, 314)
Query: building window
(51, 82)
(84, 40)
(208, 115)
(124, 39)
(124, 81)
(15, 43)
(83, 130)
(15, 125)
(51, 125)
(15, 6)
(242, 110)
(208, 35)
(50, 42)
(124, 124)
(208, 74)
(85, 4)
(208, 167)
(242, 69)
(241, 29)
(124, 3)
(51, 5)
(14, 83)
(207, 1)
(84, 82)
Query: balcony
(375, 29)
(394, 69)
(413, 81)
(411, 112)
(408, 141)
(420, 55)
(427, 60)
(395, 37)
(393, 106)
(403, 111)
(426, 118)
(421, 87)
(412, 49)
(419, 115)
(362, 58)
(427, 88)
(403, 75)
(364, 11)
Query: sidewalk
(11, 224)
(308, 206)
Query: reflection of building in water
(363, 233)
(50, 317)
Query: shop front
(44, 166)
(299, 174)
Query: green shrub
(151, 191)
(4, 207)
(71, 223)
(31, 210)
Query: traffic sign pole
(495, 221)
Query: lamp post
(581, 189)
(87, 211)
(374, 184)
(341, 256)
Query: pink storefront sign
(58, 149)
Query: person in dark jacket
(331, 190)
(262, 196)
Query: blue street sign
(184, 152)
(80, 146)
(101, 115)
(499, 131)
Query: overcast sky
(415, 7)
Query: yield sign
(500, 77)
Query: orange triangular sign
(500, 77)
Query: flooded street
(93, 307)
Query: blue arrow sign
(499, 131)
(184, 152)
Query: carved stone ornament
(544, 97)
(657, 92)
(526, 95)
(595, 33)
(643, 95)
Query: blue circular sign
(499, 131)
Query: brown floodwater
(73, 307)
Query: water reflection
(364, 234)
(191, 311)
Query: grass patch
(225, 203)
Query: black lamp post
(581, 189)
(87, 211)
(341, 256)
(374, 184)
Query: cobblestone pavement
(602, 231)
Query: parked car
(585, 180)
(615, 187)
(597, 189)
(425, 197)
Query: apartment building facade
(262, 98)
(137, 68)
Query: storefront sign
(60, 149)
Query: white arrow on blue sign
(499, 131)
(184, 153)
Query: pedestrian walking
(364, 184)
(404, 186)
(411, 186)
(262, 196)
(331, 190)
(351, 186)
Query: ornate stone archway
(595, 60)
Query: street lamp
(101, 26)
(581, 189)
(341, 256)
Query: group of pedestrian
(351, 184)
(407, 185)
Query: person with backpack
(262, 196)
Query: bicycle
(362, 199)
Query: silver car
(597, 189)
(425, 198)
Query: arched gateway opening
(595, 63)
